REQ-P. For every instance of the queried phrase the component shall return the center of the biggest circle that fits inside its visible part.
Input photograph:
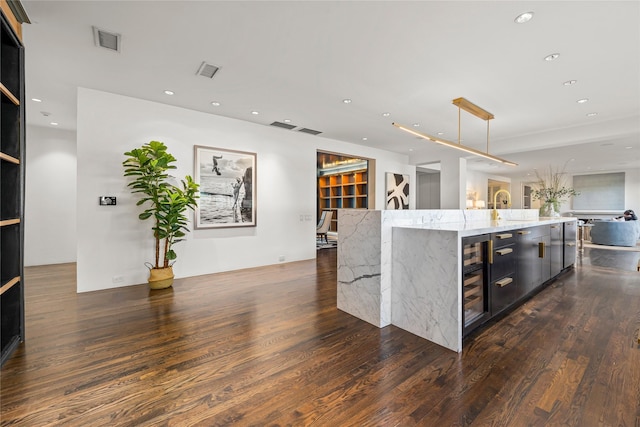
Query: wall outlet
(117, 279)
(281, 258)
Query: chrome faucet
(494, 214)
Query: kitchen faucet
(494, 214)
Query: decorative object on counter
(397, 191)
(227, 180)
(552, 191)
(167, 203)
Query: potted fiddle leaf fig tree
(165, 204)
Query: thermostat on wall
(107, 200)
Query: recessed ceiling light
(386, 114)
(552, 57)
(54, 123)
(523, 17)
(628, 148)
(364, 138)
(168, 92)
(255, 113)
(36, 100)
(440, 133)
(410, 149)
(416, 125)
(287, 121)
(346, 101)
(570, 82)
(215, 103)
(582, 101)
(592, 114)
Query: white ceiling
(299, 60)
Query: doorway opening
(343, 183)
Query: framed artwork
(227, 180)
(397, 191)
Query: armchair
(324, 224)
(615, 233)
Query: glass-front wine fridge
(475, 282)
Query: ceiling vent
(309, 131)
(106, 39)
(283, 125)
(207, 70)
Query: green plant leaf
(147, 168)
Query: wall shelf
(12, 149)
(346, 190)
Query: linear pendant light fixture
(469, 107)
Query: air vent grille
(106, 39)
(283, 125)
(309, 131)
(207, 70)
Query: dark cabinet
(11, 185)
(570, 234)
(500, 270)
(534, 262)
(556, 249)
(502, 260)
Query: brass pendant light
(463, 104)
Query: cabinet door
(504, 292)
(556, 250)
(534, 262)
(526, 252)
(570, 246)
(544, 259)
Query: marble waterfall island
(403, 267)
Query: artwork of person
(236, 191)
(215, 165)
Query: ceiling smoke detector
(207, 70)
(106, 39)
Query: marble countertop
(474, 228)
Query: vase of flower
(552, 191)
(548, 209)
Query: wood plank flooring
(267, 347)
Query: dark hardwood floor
(620, 260)
(267, 347)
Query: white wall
(50, 196)
(477, 183)
(113, 244)
(631, 191)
